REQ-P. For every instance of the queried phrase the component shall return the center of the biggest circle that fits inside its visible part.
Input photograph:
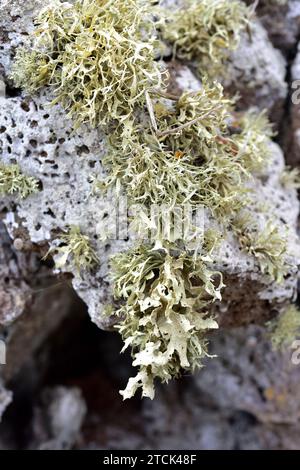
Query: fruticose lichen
(290, 178)
(13, 181)
(200, 155)
(267, 244)
(285, 329)
(96, 55)
(99, 58)
(165, 317)
(74, 247)
(205, 32)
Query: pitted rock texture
(15, 25)
(42, 142)
(282, 21)
(256, 71)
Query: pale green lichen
(285, 329)
(13, 181)
(30, 70)
(253, 132)
(290, 178)
(200, 154)
(268, 245)
(74, 248)
(205, 32)
(96, 55)
(165, 316)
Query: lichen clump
(165, 317)
(75, 248)
(206, 31)
(96, 55)
(285, 329)
(267, 244)
(290, 178)
(201, 154)
(13, 181)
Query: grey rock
(5, 399)
(247, 400)
(58, 421)
(256, 71)
(282, 21)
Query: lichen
(31, 70)
(165, 316)
(285, 329)
(205, 32)
(252, 133)
(97, 56)
(13, 181)
(74, 247)
(267, 244)
(290, 178)
(200, 154)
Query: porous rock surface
(256, 71)
(282, 21)
(242, 389)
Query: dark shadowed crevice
(77, 354)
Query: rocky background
(59, 387)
